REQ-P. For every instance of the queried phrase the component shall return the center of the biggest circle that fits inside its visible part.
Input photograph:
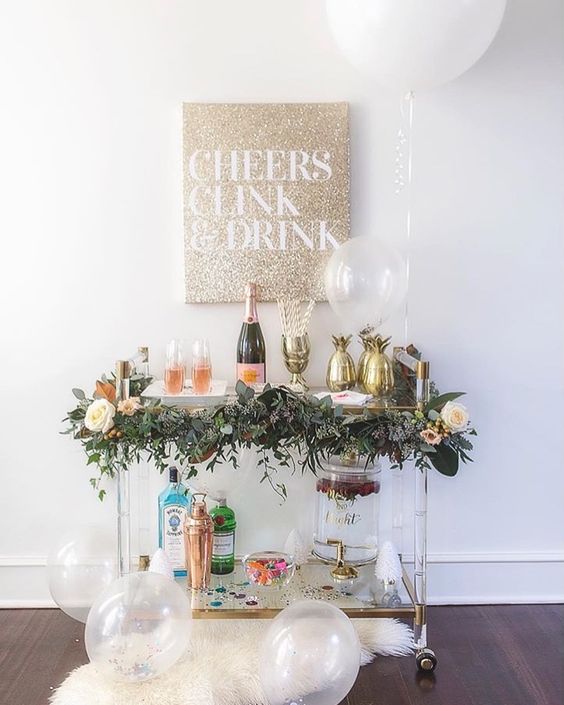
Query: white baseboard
(534, 557)
(27, 604)
(454, 579)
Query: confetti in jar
(269, 568)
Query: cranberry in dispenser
(347, 509)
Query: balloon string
(404, 176)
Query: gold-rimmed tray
(234, 597)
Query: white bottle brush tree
(296, 547)
(388, 565)
(388, 570)
(161, 564)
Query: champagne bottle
(251, 350)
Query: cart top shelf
(399, 401)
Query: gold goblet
(295, 350)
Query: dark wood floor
(495, 655)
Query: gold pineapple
(379, 372)
(369, 343)
(340, 368)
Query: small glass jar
(269, 569)
(347, 510)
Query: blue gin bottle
(174, 507)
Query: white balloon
(365, 282)
(81, 565)
(414, 44)
(310, 654)
(138, 627)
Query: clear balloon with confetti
(138, 627)
(310, 655)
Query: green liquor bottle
(223, 551)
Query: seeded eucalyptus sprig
(290, 430)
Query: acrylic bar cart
(410, 599)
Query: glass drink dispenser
(347, 509)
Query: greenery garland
(283, 425)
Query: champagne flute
(175, 367)
(201, 367)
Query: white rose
(455, 416)
(100, 416)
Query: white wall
(92, 261)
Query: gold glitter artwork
(266, 198)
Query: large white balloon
(310, 654)
(80, 566)
(365, 282)
(138, 627)
(414, 44)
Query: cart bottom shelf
(234, 597)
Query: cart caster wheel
(426, 660)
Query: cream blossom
(100, 416)
(129, 406)
(431, 437)
(455, 416)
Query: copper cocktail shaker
(198, 541)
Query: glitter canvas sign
(266, 198)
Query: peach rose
(431, 437)
(129, 406)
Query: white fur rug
(221, 667)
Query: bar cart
(231, 597)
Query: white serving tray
(218, 394)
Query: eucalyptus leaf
(426, 448)
(240, 388)
(445, 460)
(442, 399)
(79, 394)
